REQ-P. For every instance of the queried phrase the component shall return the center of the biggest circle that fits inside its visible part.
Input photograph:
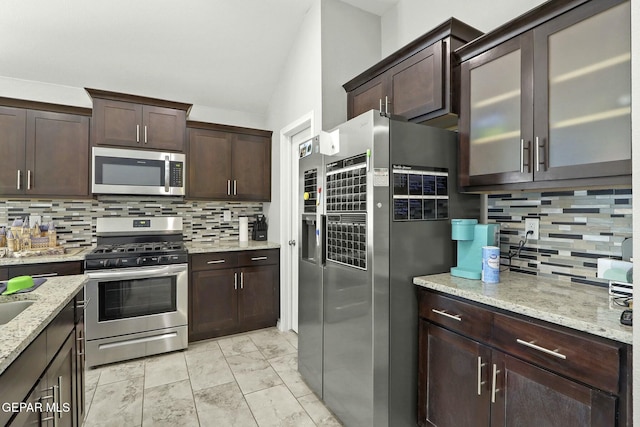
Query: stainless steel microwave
(124, 171)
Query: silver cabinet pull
(145, 134)
(59, 408)
(28, 179)
(531, 344)
(137, 133)
(537, 155)
(19, 179)
(386, 105)
(381, 107)
(82, 304)
(235, 187)
(445, 314)
(241, 280)
(259, 258)
(235, 281)
(480, 382)
(494, 390)
(522, 155)
(80, 352)
(218, 261)
(228, 187)
(44, 275)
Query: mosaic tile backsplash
(576, 228)
(75, 220)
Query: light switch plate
(532, 224)
(226, 215)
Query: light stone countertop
(224, 246)
(582, 307)
(71, 254)
(50, 298)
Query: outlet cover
(532, 224)
(227, 215)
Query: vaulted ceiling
(219, 53)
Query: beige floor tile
(223, 405)
(253, 372)
(165, 369)
(318, 412)
(117, 404)
(292, 337)
(272, 343)
(287, 368)
(198, 346)
(276, 406)
(208, 368)
(237, 345)
(169, 405)
(120, 371)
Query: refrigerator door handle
(323, 240)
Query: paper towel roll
(244, 228)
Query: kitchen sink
(9, 310)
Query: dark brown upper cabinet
(44, 150)
(137, 122)
(416, 82)
(228, 163)
(546, 99)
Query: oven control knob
(106, 263)
(117, 262)
(139, 261)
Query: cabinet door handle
(522, 155)
(145, 134)
(241, 280)
(381, 113)
(259, 258)
(386, 105)
(28, 179)
(235, 187)
(480, 382)
(19, 179)
(494, 390)
(445, 314)
(59, 408)
(137, 133)
(235, 281)
(82, 304)
(228, 187)
(531, 344)
(218, 261)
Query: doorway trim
(288, 256)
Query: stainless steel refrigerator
(388, 199)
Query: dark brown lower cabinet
(45, 378)
(232, 292)
(467, 380)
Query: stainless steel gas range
(137, 290)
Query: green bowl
(17, 284)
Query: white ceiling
(218, 53)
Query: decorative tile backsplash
(75, 220)
(576, 228)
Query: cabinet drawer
(214, 261)
(260, 257)
(47, 269)
(584, 359)
(468, 319)
(59, 329)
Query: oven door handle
(138, 273)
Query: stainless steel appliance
(124, 171)
(311, 264)
(137, 290)
(389, 196)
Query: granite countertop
(577, 306)
(71, 254)
(49, 299)
(224, 246)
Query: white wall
(409, 19)
(298, 92)
(350, 45)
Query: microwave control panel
(176, 174)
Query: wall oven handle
(167, 168)
(139, 273)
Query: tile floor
(239, 381)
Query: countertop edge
(233, 246)
(576, 324)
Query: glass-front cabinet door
(496, 117)
(582, 69)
